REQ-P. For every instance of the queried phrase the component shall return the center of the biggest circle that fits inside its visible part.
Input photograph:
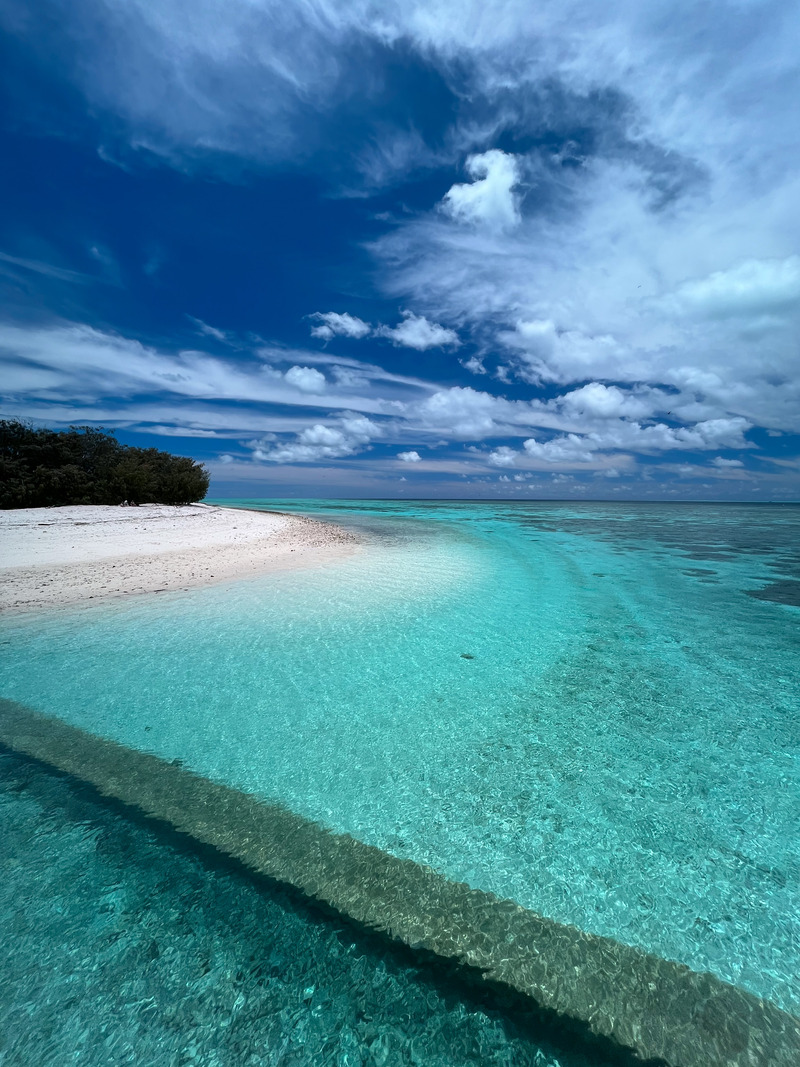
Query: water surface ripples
(589, 709)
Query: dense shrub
(85, 465)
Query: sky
(449, 248)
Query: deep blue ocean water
(591, 709)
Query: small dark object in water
(467, 655)
(147, 729)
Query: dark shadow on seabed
(313, 982)
(605, 995)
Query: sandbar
(50, 557)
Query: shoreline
(54, 557)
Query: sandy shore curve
(50, 557)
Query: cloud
(657, 437)
(594, 418)
(7, 263)
(549, 353)
(755, 287)
(72, 373)
(344, 369)
(181, 431)
(73, 363)
(558, 308)
(208, 331)
(606, 402)
(722, 463)
(267, 80)
(474, 365)
(335, 324)
(489, 200)
(306, 379)
(416, 332)
(570, 449)
(463, 412)
(665, 240)
(76, 373)
(350, 377)
(503, 457)
(319, 442)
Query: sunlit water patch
(577, 707)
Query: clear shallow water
(119, 947)
(621, 749)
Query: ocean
(588, 709)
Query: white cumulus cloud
(409, 457)
(624, 435)
(489, 200)
(606, 402)
(318, 442)
(461, 411)
(503, 457)
(551, 354)
(567, 449)
(334, 324)
(474, 365)
(306, 379)
(416, 332)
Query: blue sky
(433, 248)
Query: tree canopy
(87, 465)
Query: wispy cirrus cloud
(78, 362)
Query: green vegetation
(86, 465)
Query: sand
(55, 556)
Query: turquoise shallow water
(120, 947)
(591, 709)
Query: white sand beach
(57, 556)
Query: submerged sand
(57, 556)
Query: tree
(87, 465)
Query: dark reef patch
(783, 592)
